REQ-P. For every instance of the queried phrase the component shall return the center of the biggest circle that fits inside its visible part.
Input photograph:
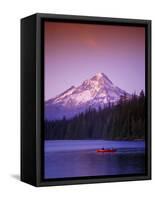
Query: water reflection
(59, 164)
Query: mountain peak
(94, 92)
(101, 77)
(97, 76)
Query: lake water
(74, 158)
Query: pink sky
(76, 52)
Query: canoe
(106, 150)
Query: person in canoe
(106, 150)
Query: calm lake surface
(74, 158)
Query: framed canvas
(85, 99)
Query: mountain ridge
(95, 92)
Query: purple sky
(76, 52)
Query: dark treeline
(124, 121)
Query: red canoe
(106, 150)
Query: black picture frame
(32, 98)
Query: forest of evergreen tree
(124, 121)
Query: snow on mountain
(95, 92)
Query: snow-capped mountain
(95, 92)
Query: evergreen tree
(126, 120)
